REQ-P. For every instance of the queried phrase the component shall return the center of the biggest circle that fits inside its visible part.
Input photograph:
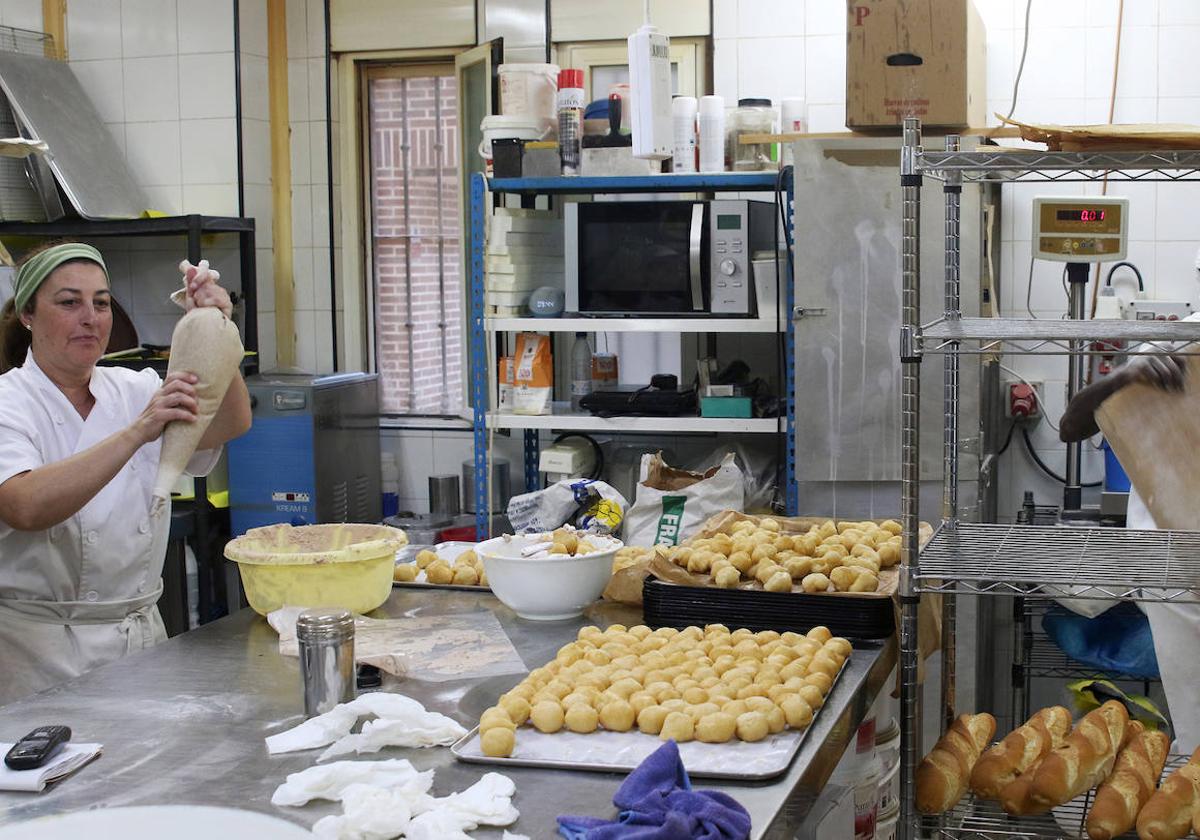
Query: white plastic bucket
(529, 90)
(889, 819)
(889, 786)
(498, 126)
(887, 746)
(860, 772)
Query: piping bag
(207, 344)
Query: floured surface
(623, 751)
(429, 648)
(1156, 436)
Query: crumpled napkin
(331, 781)
(656, 802)
(403, 722)
(487, 802)
(371, 813)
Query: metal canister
(326, 641)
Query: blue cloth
(656, 802)
(1118, 641)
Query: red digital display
(1080, 215)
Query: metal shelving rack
(1027, 561)
(483, 328)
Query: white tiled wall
(769, 48)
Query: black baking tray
(673, 605)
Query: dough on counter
(582, 719)
(617, 716)
(425, 557)
(716, 728)
(405, 572)
(678, 725)
(497, 742)
(752, 726)
(547, 716)
(796, 711)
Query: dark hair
(14, 337)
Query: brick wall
(418, 282)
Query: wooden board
(1156, 436)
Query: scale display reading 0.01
(1079, 215)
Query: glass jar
(752, 116)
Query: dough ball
(822, 681)
(679, 726)
(700, 562)
(763, 551)
(495, 717)
(865, 563)
(823, 663)
(625, 687)
(792, 669)
(701, 709)
(843, 577)
(650, 719)
(796, 711)
(819, 634)
(776, 720)
(758, 704)
(866, 582)
(891, 526)
(812, 696)
(815, 583)
(497, 742)
(547, 716)
(840, 645)
(425, 557)
(695, 695)
(798, 567)
(765, 569)
(439, 573)
(675, 705)
(405, 572)
(780, 581)
(769, 524)
(735, 708)
(741, 560)
(466, 576)
(617, 716)
(752, 726)
(835, 548)
(640, 700)
(752, 690)
(716, 728)
(517, 708)
(582, 719)
(727, 577)
(889, 555)
(566, 539)
(640, 631)
(577, 697)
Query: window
(415, 238)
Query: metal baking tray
(466, 749)
(448, 551)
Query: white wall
(782, 48)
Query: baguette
(1135, 776)
(942, 776)
(1020, 750)
(1017, 796)
(1085, 759)
(1171, 809)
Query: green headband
(35, 270)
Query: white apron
(83, 592)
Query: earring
(29, 327)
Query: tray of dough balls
(448, 565)
(738, 703)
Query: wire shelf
(975, 819)
(1052, 336)
(1050, 562)
(1032, 165)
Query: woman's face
(72, 318)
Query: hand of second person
(202, 289)
(1160, 370)
(175, 400)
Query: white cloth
(63, 763)
(424, 729)
(402, 722)
(1176, 632)
(331, 781)
(81, 593)
(369, 813)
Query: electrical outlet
(1022, 401)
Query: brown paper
(660, 476)
(1156, 437)
(1131, 137)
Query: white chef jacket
(83, 592)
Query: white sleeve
(19, 451)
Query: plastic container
(342, 565)
(753, 116)
(528, 90)
(889, 785)
(605, 371)
(570, 119)
(861, 775)
(581, 370)
(711, 123)
(683, 127)
(888, 822)
(501, 125)
(389, 474)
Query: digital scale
(1078, 230)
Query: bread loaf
(942, 775)
(1172, 808)
(1021, 749)
(1135, 776)
(1017, 796)
(1085, 759)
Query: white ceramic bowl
(551, 588)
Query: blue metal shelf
(712, 182)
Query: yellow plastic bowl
(341, 565)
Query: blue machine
(311, 455)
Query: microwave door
(695, 243)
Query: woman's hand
(175, 400)
(202, 289)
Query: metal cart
(986, 559)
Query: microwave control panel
(736, 230)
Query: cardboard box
(921, 58)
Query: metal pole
(952, 191)
(910, 486)
(1077, 277)
(480, 398)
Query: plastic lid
(325, 624)
(570, 77)
(751, 102)
(509, 121)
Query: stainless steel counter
(185, 722)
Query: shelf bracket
(910, 346)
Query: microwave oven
(666, 258)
